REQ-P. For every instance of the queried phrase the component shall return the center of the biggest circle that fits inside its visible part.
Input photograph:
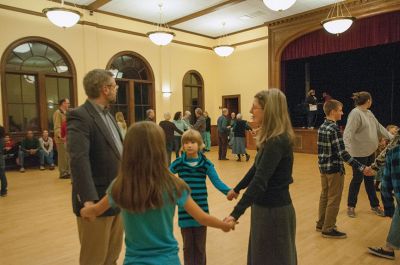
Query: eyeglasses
(113, 86)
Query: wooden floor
(37, 226)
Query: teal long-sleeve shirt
(194, 172)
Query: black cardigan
(269, 178)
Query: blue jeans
(207, 140)
(393, 238)
(22, 154)
(49, 158)
(177, 145)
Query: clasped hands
(368, 171)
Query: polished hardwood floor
(37, 226)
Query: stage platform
(306, 141)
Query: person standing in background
(207, 134)
(312, 102)
(223, 132)
(150, 115)
(59, 117)
(169, 128)
(181, 125)
(186, 119)
(119, 116)
(3, 178)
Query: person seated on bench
(46, 144)
(10, 149)
(30, 147)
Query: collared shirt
(331, 150)
(113, 130)
(391, 177)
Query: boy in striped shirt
(193, 167)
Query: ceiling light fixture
(338, 21)
(62, 17)
(162, 35)
(279, 5)
(223, 50)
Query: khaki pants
(101, 240)
(63, 160)
(329, 202)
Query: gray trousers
(272, 236)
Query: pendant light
(62, 17)
(224, 49)
(338, 21)
(279, 5)
(162, 35)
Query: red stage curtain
(367, 32)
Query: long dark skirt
(272, 236)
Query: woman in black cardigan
(273, 219)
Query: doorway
(232, 103)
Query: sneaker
(247, 157)
(22, 170)
(51, 167)
(42, 168)
(378, 211)
(319, 228)
(351, 212)
(334, 234)
(380, 252)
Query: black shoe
(224, 158)
(3, 194)
(334, 234)
(247, 157)
(239, 159)
(380, 252)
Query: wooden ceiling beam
(204, 12)
(97, 4)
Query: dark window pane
(64, 88)
(15, 117)
(13, 87)
(138, 94)
(31, 118)
(145, 94)
(121, 94)
(28, 86)
(140, 113)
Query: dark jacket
(240, 127)
(208, 124)
(169, 127)
(94, 156)
(200, 124)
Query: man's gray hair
(148, 112)
(199, 111)
(95, 80)
(239, 116)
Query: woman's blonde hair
(276, 119)
(119, 116)
(193, 136)
(144, 181)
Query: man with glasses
(95, 149)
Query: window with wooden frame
(36, 74)
(193, 92)
(135, 78)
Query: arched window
(135, 79)
(193, 92)
(36, 74)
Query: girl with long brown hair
(147, 193)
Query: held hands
(232, 195)
(88, 212)
(368, 171)
(230, 224)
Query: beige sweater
(362, 133)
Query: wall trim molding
(282, 32)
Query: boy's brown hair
(193, 136)
(144, 181)
(330, 105)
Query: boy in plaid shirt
(331, 154)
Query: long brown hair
(144, 181)
(276, 119)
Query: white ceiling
(209, 24)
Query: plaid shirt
(331, 150)
(380, 160)
(391, 177)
